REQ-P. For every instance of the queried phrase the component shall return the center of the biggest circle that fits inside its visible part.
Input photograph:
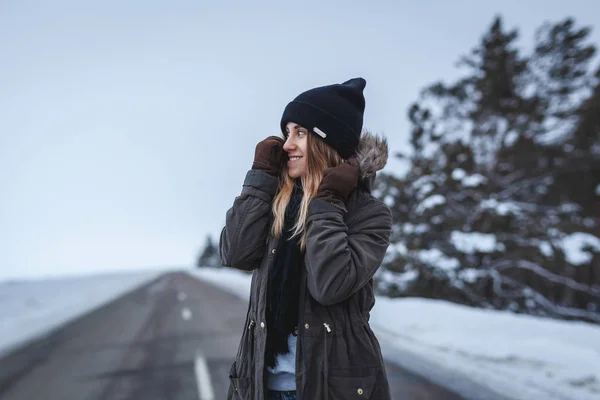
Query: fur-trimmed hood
(372, 156)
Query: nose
(289, 144)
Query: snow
(29, 309)
(501, 208)
(425, 189)
(515, 355)
(521, 356)
(430, 202)
(400, 248)
(394, 191)
(389, 200)
(422, 180)
(437, 219)
(401, 280)
(574, 247)
(510, 138)
(437, 259)
(231, 280)
(409, 228)
(471, 242)
(555, 130)
(546, 249)
(470, 275)
(424, 185)
(458, 174)
(569, 207)
(474, 180)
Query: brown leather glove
(338, 182)
(269, 155)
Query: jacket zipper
(273, 244)
(251, 326)
(300, 336)
(325, 358)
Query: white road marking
(181, 296)
(186, 314)
(205, 389)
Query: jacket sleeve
(247, 222)
(340, 261)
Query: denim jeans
(276, 395)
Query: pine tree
(210, 255)
(491, 212)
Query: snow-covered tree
(500, 206)
(210, 254)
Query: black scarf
(284, 283)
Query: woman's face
(296, 147)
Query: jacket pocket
(345, 388)
(239, 388)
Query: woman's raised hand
(269, 155)
(338, 182)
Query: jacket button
(273, 251)
(306, 326)
(262, 325)
(360, 391)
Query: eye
(301, 132)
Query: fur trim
(372, 154)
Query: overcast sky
(127, 127)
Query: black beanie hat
(334, 113)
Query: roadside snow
(517, 356)
(31, 308)
(514, 355)
(520, 356)
(228, 279)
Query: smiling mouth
(295, 158)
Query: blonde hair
(319, 156)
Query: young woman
(309, 229)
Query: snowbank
(29, 309)
(228, 279)
(521, 356)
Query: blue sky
(126, 128)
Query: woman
(309, 229)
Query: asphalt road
(173, 339)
